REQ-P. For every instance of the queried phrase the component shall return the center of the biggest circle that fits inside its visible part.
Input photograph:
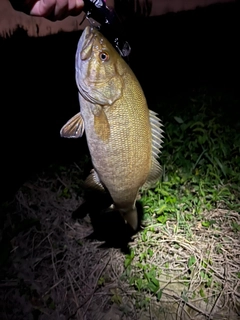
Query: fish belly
(123, 161)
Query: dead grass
(54, 272)
(200, 273)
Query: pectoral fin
(101, 124)
(74, 128)
(156, 170)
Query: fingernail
(79, 4)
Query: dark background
(172, 54)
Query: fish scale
(124, 137)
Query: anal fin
(93, 182)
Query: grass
(201, 175)
(185, 260)
(200, 160)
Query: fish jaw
(84, 40)
(98, 80)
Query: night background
(188, 66)
(171, 54)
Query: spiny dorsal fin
(156, 170)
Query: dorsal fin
(156, 170)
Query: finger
(61, 10)
(79, 4)
(43, 8)
(77, 7)
(70, 7)
(56, 9)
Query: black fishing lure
(109, 24)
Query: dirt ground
(52, 268)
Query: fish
(124, 136)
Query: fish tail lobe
(131, 217)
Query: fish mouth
(89, 41)
(84, 49)
(87, 36)
(85, 44)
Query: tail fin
(131, 217)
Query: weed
(201, 173)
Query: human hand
(52, 9)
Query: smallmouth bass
(124, 137)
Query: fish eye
(104, 56)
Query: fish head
(99, 68)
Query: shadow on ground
(108, 225)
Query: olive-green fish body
(123, 135)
